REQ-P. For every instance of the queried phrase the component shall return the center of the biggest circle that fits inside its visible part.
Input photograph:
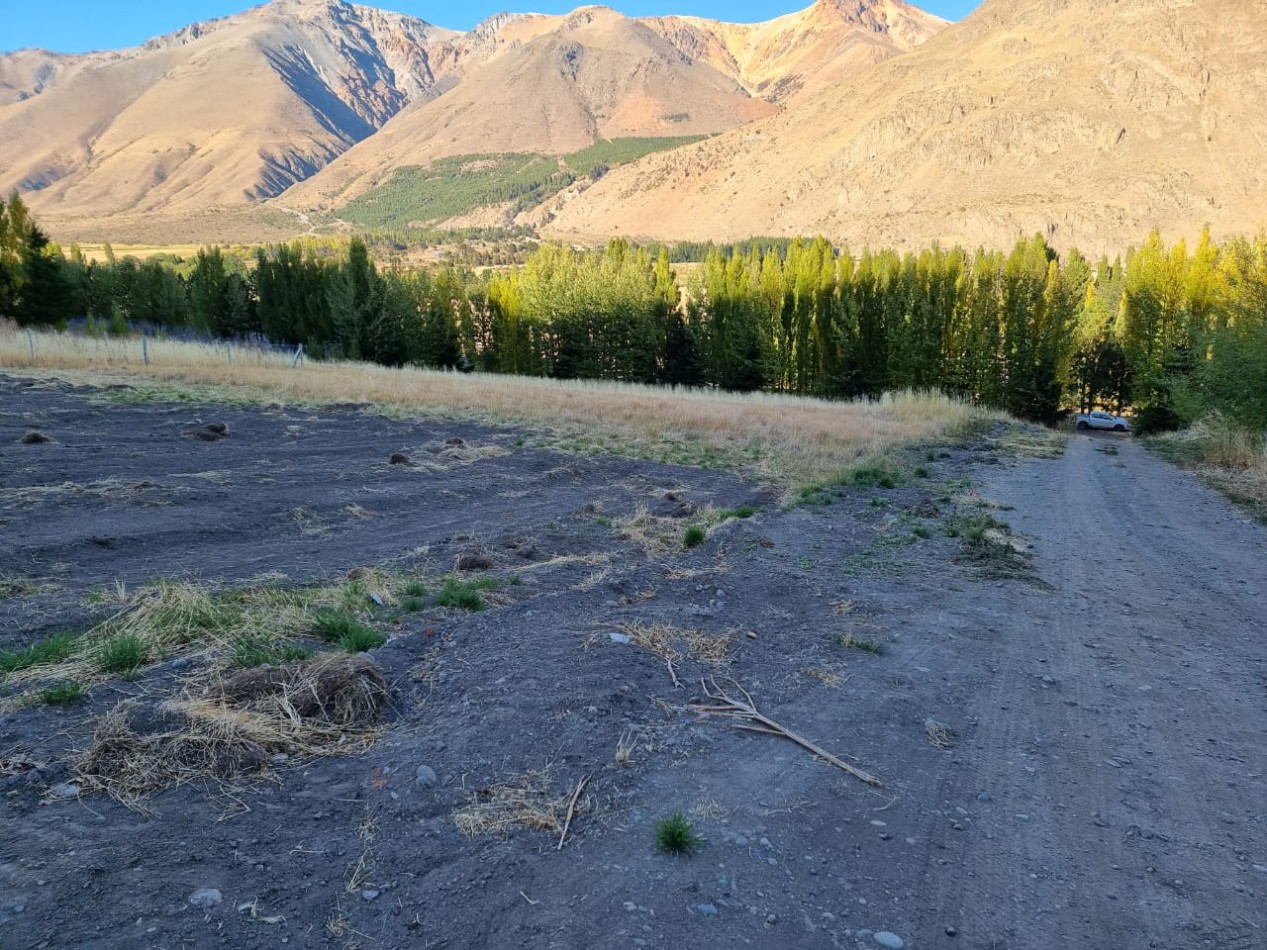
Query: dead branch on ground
(751, 719)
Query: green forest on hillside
(416, 196)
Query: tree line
(1167, 331)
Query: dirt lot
(1068, 721)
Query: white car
(1103, 420)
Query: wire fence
(35, 348)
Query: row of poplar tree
(1166, 332)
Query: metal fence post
(145, 349)
(30, 341)
(299, 353)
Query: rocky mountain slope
(233, 112)
(224, 112)
(1086, 121)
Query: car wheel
(1119, 428)
(1083, 425)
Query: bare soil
(1070, 735)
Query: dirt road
(1121, 730)
(1100, 783)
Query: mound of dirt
(34, 437)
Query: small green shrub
(62, 694)
(922, 531)
(54, 649)
(694, 536)
(921, 472)
(675, 834)
(414, 588)
(123, 655)
(411, 605)
(743, 511)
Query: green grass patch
(465, 595)
(63, 694)
(123, 655)
(675, 834)
(694, 536)
(256, 651)
(874, 475)
(742, 511)
(345, 631)
(54, 649)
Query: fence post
(229, 349)
(30, 341)
(145, 348)
(299, 353)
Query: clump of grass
(411, 605)
(123, 655)
(922, 531)
(414, 588)
(675, 834)
(973, 529)
(850, 642)
(361, 639)
(345, 631)
(694, 536)
(921, 472)
(874, 475)
(742, 511)
(54, 649)
(465, 595)
(62, 694)
(250, 652)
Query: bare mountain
(826, 43)
(320, 100)
(221, 113)
(549, 85)
(1091, 122)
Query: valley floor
(1067, 720)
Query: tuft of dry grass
(527, 801)
(222, 728)
(1231, 459)
(784, 439)
(672, 643)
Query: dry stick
(576, 793)
(672, 674)
(738, 709)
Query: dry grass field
(793, 441)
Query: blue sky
(77, 25)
